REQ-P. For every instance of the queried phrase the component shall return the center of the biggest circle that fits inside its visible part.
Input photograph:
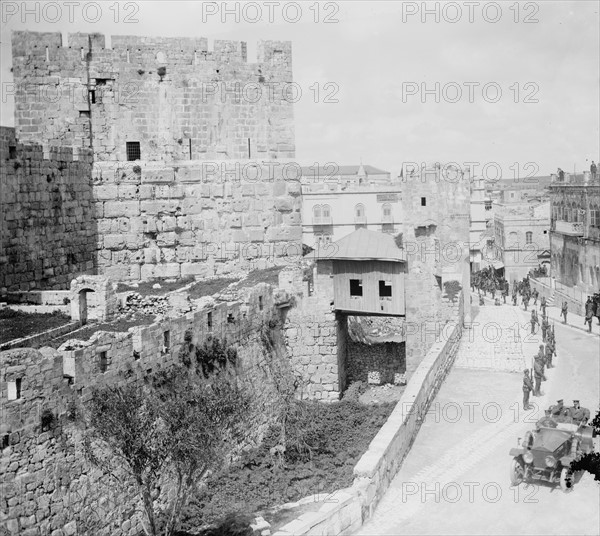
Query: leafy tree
(162, 438)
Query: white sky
(371, 52)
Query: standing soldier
(543, 305)
(505, 292)
(527, 388)
(537, 374)
(588, 319)
(549, 352)
(534, 320)
(541, 358)
(526, 300)
(564, 310)
(545, 328)
(535, 296)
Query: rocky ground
(380, 394)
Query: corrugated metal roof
(361, 245)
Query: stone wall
(345, 511)
(311, 336)
(194, 218)
(47, 227)
(436, 205)
(388, 359)
(179, 100)
(46, 486)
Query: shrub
(352, 394)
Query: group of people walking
(541, 361)
(486, 281)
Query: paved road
(455, 480)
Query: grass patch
(268, 275)
(145, 288)
(209, 287)
(325, 441)
(18, 324)
(119, 326)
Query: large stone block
(106, 192)
(160, 206)
(163, 175)
(276, 234)
(116, 209)
(167, 270)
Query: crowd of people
(487, 281)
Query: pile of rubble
(146, 305)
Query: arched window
(326, 212)
(528, 237)
(316, 213)
(359, 211)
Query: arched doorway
(84, 305)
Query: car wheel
(566, 479)
(517, 471)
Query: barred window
(528, 237)
(133, 150)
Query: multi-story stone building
(522, 190)
(521, 238)
(337, 201)
(575, 232)
(478, 222)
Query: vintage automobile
(547, 452)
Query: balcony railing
(323, 220)
(569, 228)
(387, 218)
(360, 220)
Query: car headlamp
(528, 457)
(550, 461)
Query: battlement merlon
(49, 153)
(276, 53)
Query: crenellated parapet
(173, 97)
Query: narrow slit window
(209, 320)
(166, 341)
(103, 362)
(92, 93)
(423, 201)
(18, 387)
(230, 319)
(133, 150)
(260, 303)
(12, 152)
(385, 289)
(356, 287)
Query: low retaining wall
(575, 306)
(346, 510)
(39, 297)
(37, 340)
(42, 309)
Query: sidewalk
(573, 320)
